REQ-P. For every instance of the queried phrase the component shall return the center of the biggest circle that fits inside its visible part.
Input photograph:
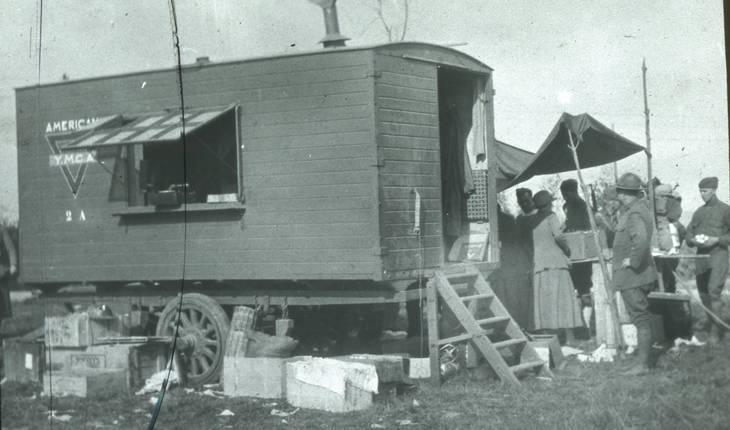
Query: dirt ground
(689, 389)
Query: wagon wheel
(202, 334)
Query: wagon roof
(429, 52)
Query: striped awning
(160, 127)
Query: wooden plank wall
(309, 165)
(406, 98)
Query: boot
(644, 340)
(716, 330)
(707, 303)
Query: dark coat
(633, 241)
(712, 219)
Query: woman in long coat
(556, 305)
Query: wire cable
(173, 349)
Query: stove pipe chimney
(333, 38)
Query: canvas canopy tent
(596, 145)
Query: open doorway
(462, 121)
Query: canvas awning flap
(510, 162)
(597, 145)
(160, 127)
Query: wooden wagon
(328, 177)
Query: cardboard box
(261, 377)
(548, 348)
(307, 395)
(85, 383)
(419, 368)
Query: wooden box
(85, 383)
(261, 377)
(23, 359)
(68, 330)
(145, 360)
(582, 245)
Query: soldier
(634, 273)
(709, 231)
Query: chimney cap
(202, 60)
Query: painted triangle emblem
(73, 164)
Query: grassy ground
(689, 390)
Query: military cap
(710, 182)
(629, 181)
(542, 198)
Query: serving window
(170, 162)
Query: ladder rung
(458, 338)
(492, 320)
(477, 297)
(461, 278)
(508, 342)
(526, 366)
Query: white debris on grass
(405, 422)
(569, 350)
(53, 415)
(154, 383)
(416, 403)
(226, 413)
(377, 426)
(679, 342)
(210, 393)
(153, 400)
(599, 355)
(280, 413)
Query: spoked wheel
(201, 337)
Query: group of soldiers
(627, 221)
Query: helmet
(629, 181)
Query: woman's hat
(542, 198)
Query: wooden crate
(68, 330)
(85, 383)
(145, 360)
(261, 377)
(23, 359)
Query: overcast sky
(573, 56)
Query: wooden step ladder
(490, 329)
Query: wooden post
(433, 331)
(602, 261)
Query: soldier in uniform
(634, 273)
(709, 231)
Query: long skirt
(556, 305)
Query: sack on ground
(264, 345)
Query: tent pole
(650, 175)
(601, 259)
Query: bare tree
(392, 30)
